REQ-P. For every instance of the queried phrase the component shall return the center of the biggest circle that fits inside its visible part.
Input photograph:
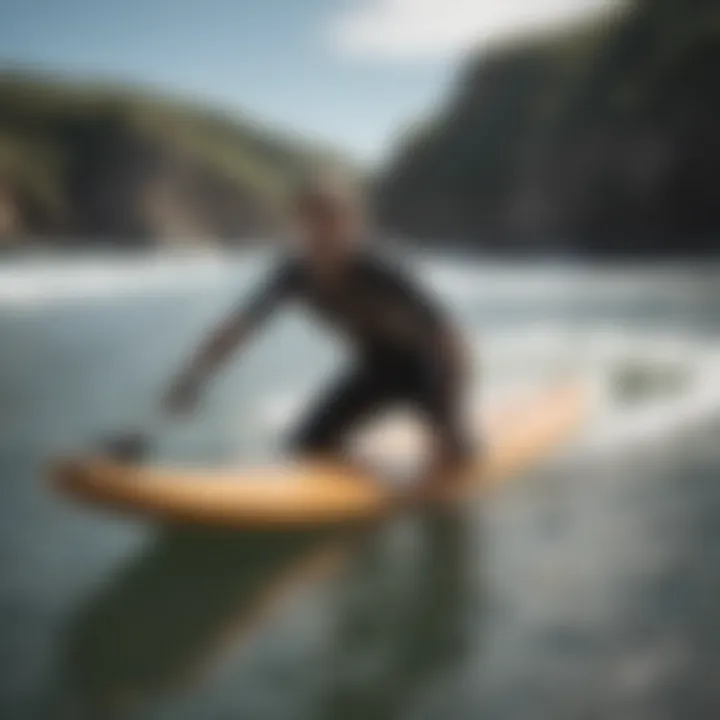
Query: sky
(352, 73)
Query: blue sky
(350, 72)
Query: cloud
(408, 30)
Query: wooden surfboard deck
(306, 494)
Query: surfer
(406, 350)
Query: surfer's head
(330, 217)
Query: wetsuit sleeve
(280, 286)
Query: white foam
(666, 418)
(30, 283)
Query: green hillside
(97, 164)
(602, 139)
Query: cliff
(95, 164)
(602, 140)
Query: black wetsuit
(401, 341)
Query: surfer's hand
(183, 396)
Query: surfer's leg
(354, 399)
(439, 398)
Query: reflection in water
(400, 623)
(402, 617)
(162, 620)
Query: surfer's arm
(229, 337)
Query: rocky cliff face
(108, 166)
(609, 135)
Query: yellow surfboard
(304, 494)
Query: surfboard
(515, 435)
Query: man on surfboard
(406, 349)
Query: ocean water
(584, 589)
